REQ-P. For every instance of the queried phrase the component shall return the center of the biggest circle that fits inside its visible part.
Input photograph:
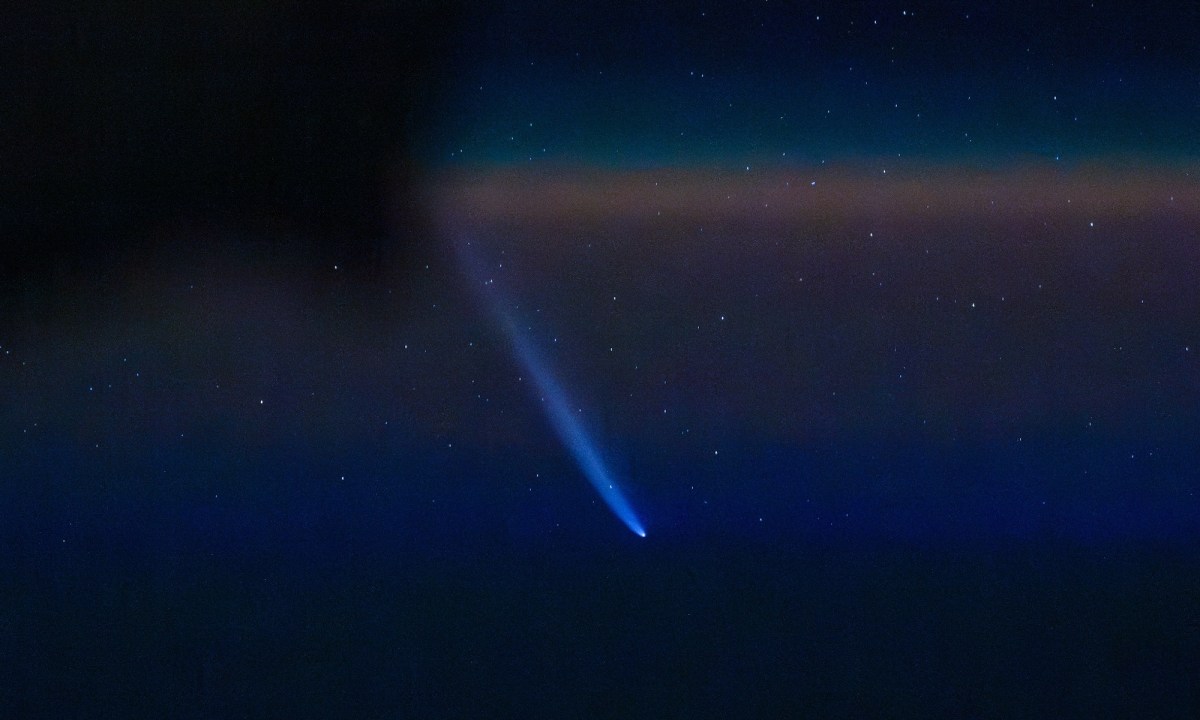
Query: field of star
(601, 359)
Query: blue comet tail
(570, 430)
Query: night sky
(600, 359)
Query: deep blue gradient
(296, 593)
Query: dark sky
(318, 121)
(297, 123)
(713, 82)
(329, 334)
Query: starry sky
(330, 336)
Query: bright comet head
(558, 408)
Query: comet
(556, 403)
